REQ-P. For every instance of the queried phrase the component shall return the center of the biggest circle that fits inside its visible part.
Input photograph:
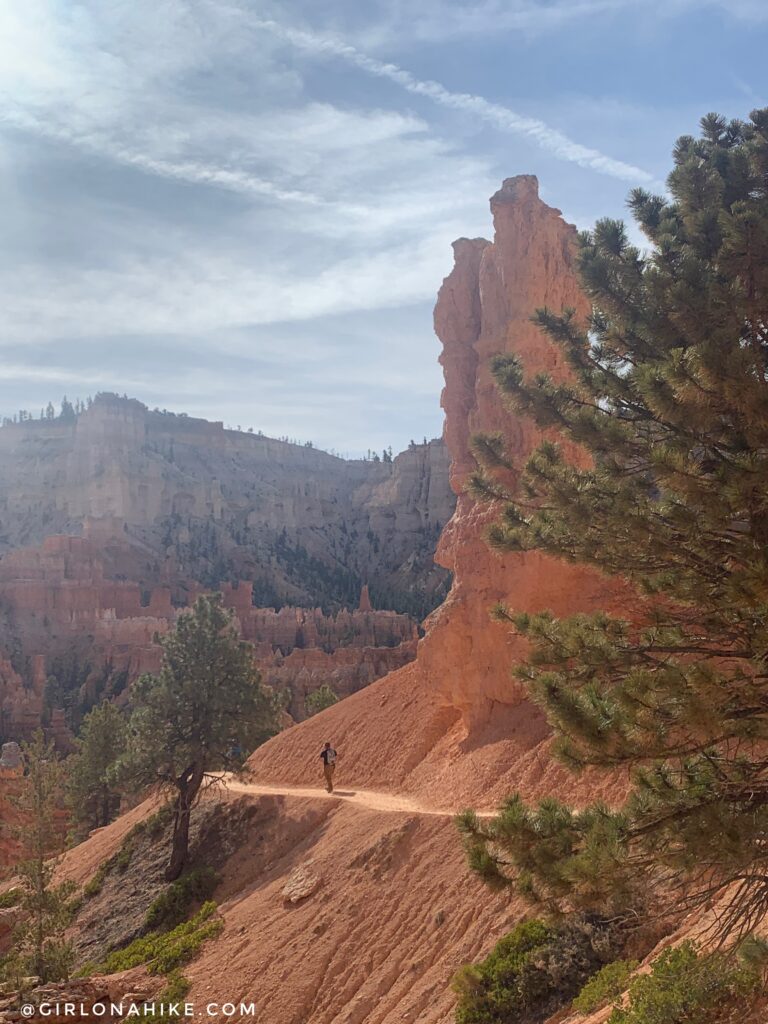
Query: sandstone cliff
(198, 502)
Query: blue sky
(244, 210)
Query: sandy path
(370, 799)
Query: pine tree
(668, 394)
(92, 793)
(39, 946)
(320, 699)
(203, 713)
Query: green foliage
(320, 699)
(557, 853)
(174, 991)
(95, 884)
(172, 906)
(10, 898)
(39, 946)
(120, 860)
(203, 713)
(165, 952)
(497, 988)
(338, 586)
(605, 986)
(123, 859)
(64, 687)
(418, 601)
(93, 798)
(667, 394)
(531, 972)
(685, 988)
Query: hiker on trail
(329, 756)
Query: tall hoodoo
(455, 724)
(484, 308)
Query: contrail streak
(501, 117)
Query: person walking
(329, 755)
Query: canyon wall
(398, 911)
(114, 518)
(73, 635)
(197, 502)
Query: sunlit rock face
(484, 308)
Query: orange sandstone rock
(455, 726)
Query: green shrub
(172, 906)
(86, 970)
(121, 860)
(156, 824)
(607, 984)
(532, 972)
(10, 898)
(95, 884)
(320, 699)
(163, 952)
(175, 990)
(74, 906)
(686, 988)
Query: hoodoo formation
(455, 725)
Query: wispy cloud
(403, 24)
(214, 217)
(200, 291)
(191, 171)
(499, 116)
(400, 22)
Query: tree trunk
(188, 786)
(105, 806)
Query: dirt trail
(370, 799)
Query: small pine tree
(320, 699)
(67, 413)
(203, 713)
(92, 794)
(40, 948)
